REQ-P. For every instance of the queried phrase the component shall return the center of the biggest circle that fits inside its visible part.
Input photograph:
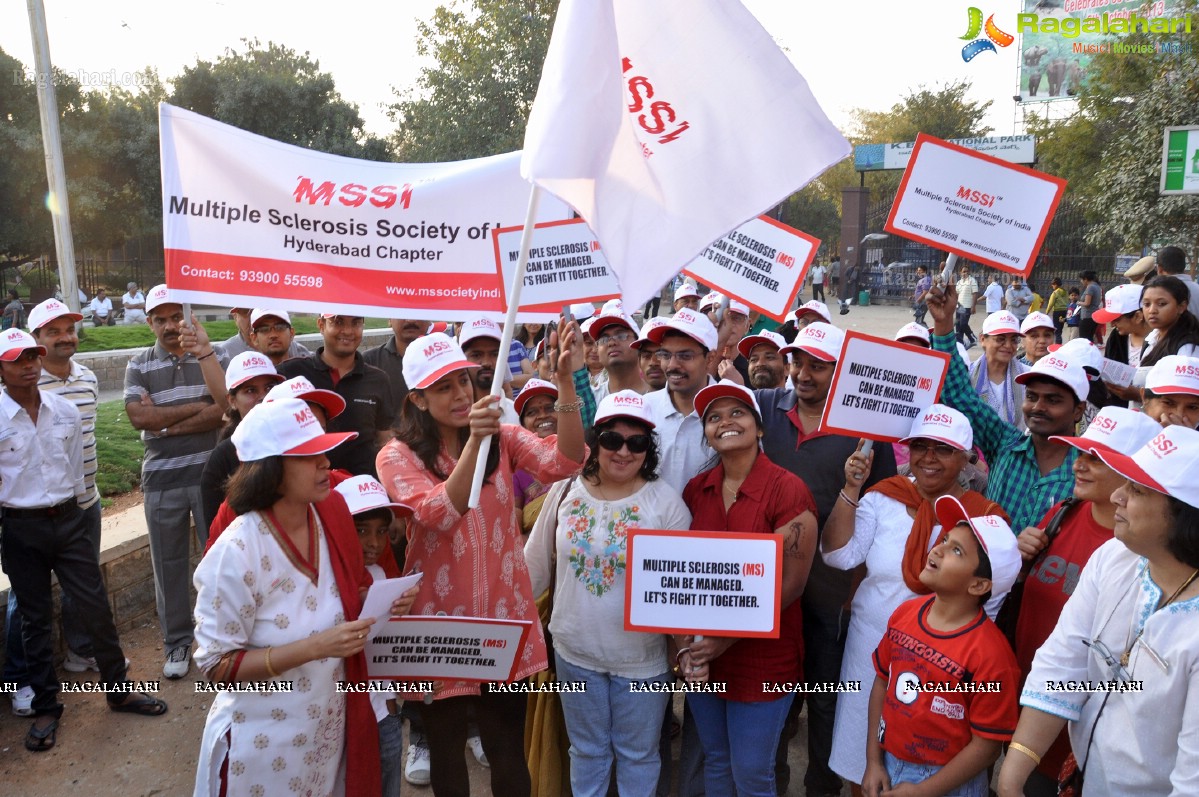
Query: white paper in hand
(380, 597)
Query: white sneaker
(22, 702)
(178, 662)
(475, 745)
(76, 663)
(416, 769)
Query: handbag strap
(1052, 529)
(554, 537)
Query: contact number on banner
(801, 688)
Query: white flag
(666, 124)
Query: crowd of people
(1016, 574)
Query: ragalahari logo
(994, 36)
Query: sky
(863, 54)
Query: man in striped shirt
(176, 397)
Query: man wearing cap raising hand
(41, 486)
(338, 366)
(790, 419)
(175, 394)
(614, 332)
(271, 334)
(1029, 473)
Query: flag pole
(497, 383)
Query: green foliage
(118, 450)
(1110, 149)
(140, 335)
(476, 100)
(944, 113)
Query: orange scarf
(915, 552)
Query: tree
(278, 93)
(1110, 149)
(24, 221)
(476, 100)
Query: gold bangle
(573, 406)
(1017, 746)
(269, 669)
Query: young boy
(1172, 391)
(945, 698)
(373, 513)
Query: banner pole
(497, 383)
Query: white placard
(565, 266)
(974, 205)
(419, 647)
(381, 595)
(717, 583)
(1117, 373)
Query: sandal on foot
(142, 705)
(39, 740)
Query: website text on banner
(704, 582)
(763, 263)
(566, 265)
(646, 122)
(446, 648)
(974, 205)
(880, 386)
(252, 222)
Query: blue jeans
(606, 723)
(740, 740)
(900, 771)
(391, 748)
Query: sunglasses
(614, 441)
(919, 448)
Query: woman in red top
(739, 729)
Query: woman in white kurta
(1133, 621)
(877, 532)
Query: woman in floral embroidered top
(471, 558)
(580, 548)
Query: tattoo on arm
(791, 541)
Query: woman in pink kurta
(472, 560)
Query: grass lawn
(118, 451)
(140, 336)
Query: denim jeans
(739, 740)
(610, 723)
(391, 748)
(900, 771)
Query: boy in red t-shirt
(945, 697)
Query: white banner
(566, 265)
(974, 205)
(418, 647)
(252, 222)
(763, 263)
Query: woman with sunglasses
(739, 729)
(1129, 634)
(471, 558)
(578, 548)
(891, 529)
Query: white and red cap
(478, 327)
(1037, 320)
(1119, 301)
(438, 326)
(248, 365)
(725, 389)
(1167, 464)
(1174, 374)
(159, 294)
(260, 313)
(283, 428)
(532, 389)
(49, 310)
(13, 342)
(943, 424)
(612, 314)
(714, 299)
(1080, 351)
(623, 404)
(366, 493)
(765, 336)
(1115, 429)
(822, 341)
(649, 326)
(817, 307)
(685, 291)
(691, 323)
(1001, 323)
(300, 387)
(993, 534)
(914, 330)
(430, 358)
(582, 311)
(1059, 369)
